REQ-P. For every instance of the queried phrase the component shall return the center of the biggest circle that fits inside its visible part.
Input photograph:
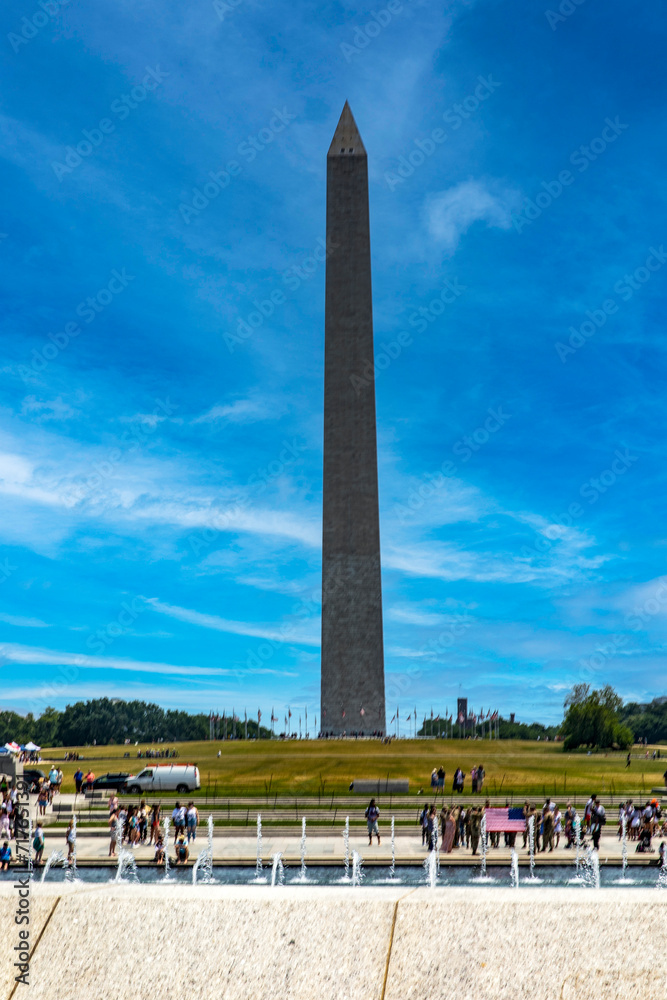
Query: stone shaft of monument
(352, 647)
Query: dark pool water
(497, 877)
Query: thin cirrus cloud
(451, 213)
(242, 411)
(14, 653)
(290, 633)
(21, 622)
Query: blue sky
(161, 438)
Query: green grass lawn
(308, 768)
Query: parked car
(180, 778)
(115, 780)
(32, 775)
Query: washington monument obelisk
(352, 648)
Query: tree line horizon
(592, 718)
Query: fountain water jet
(392, 878)
(590, 867)
(278, 870)
(205, 859)
(514, 869)
(578, 877)
(624, 880)
(167, 876)
(661, 882)
(346, 850)
(126, 862)
(357, 869)
(302, 877)
(483, 877)
(260, 878)
(72, 871)
(55, 858)
(531, 844)
(431, 869)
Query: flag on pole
(392, 718)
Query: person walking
(38, 844)
(475, 827)
(558, 826)
(481, 774)
(114, 830)
(193, 820)
(547, 827)
(178, 816)
(372, 815)
(598, 820)
(155, 823)
(423, 822)
(42, 800)
(70, 838)
(432, 827)
(448, 833)
(78, 780)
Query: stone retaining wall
(232, 942)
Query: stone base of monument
(121, 942)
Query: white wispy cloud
(451, 213)
(21, 622)
(243, 411)
(14, 653)
(289, 633)
(48, 409)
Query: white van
(181, 778)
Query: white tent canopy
(31, 746)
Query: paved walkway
(329, 850)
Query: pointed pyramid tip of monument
(346, 139)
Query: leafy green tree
(592, 719)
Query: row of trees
(646, 721)
(592, 719)
(104, 721)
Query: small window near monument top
(342, 150)
(350, 150)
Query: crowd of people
(46, 788)
(460, 826)
(477, 776)
(141, 826)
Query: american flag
(508, 820)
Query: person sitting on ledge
(644, 845)
(5, 856)
(182, 850)
(159, 858)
